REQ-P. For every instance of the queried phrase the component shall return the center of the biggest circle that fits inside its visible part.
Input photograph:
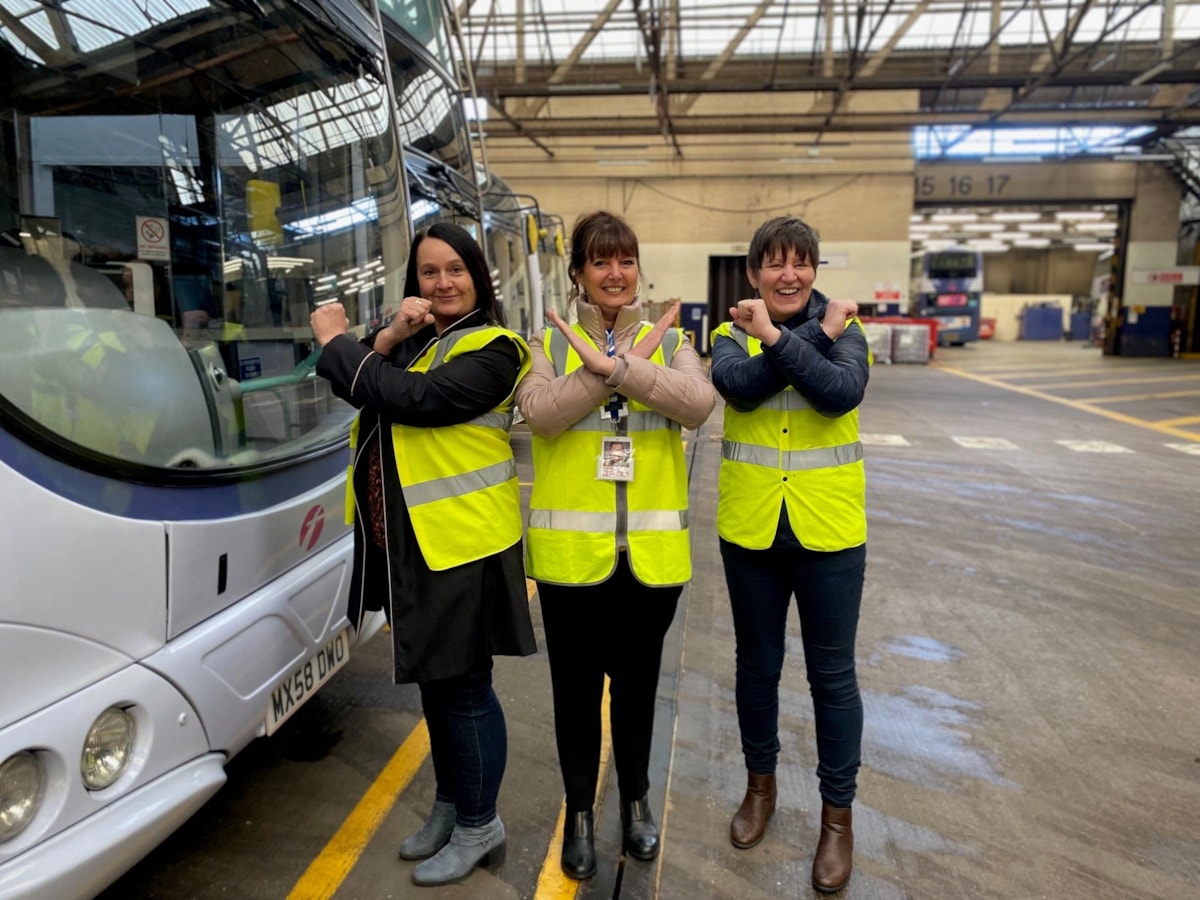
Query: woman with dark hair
(437, 524)
(792, 366)
(608, 539)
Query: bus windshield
(175, 204)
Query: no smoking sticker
(152, 242)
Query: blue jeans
(828, 591)
(468, 741)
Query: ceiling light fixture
(1078, 216)
(584, 88)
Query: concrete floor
(1029, 655)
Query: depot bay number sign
(1023, 182)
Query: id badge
(616, 459)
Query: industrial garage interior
(192, 706)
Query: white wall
(1149, 255)
(1006, 310)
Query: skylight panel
(946, 29)
(615, 43)
(129, 17)
(1187, 22)
(938, 142)
(1147, 26)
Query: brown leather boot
(835, 850)
(750, 821)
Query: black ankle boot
(579, 846)
(638, 829)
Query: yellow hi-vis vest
(786, 453)
(459, 481)
(578, 522)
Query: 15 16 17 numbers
(961, 185)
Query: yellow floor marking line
(552, 883)
(1085, 370)
(1185, 420)
(530, 588)
(1076, 404)
(330, 868)
(1131, 398)
(1104, 382)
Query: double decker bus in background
(181, 184)
(946, 284)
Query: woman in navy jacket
(792, 367)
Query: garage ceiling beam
(796, 123)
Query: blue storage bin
(1041, 323)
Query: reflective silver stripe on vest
(503, 421)
(637, 420)
(459, 485)
(786, 401)
(559, 348)
(740, 337)
(792, 460)
(444, 344)
(606, 523)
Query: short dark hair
(779, 235)
(600, 235)
(470, 253)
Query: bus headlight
(20, 793)
(107, 748)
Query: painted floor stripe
(330, 868)
(1100, 371)
(1193, 449)
(1171, 378)
(1094, 446)
(1133, 398)
(1186, 420)
(884, 440)
(1075, 404)
(985, 443)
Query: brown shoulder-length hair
(470, 253)
(600, 235)
(775, 237)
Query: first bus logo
(310, 528)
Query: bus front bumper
(82, 860)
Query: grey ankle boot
(433, 835)
(468, 848)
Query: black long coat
(451, 622)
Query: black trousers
(614, 628)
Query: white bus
(181, 183)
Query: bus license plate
(306, 679)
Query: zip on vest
(620, 523)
